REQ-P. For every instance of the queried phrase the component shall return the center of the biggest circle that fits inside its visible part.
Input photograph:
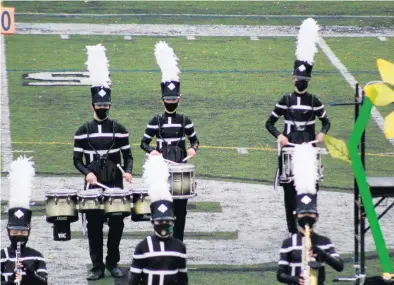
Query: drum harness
(103, 167)
(175, 147)
(300, 128)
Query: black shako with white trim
(105, 137)
(300, 112)
(291, 256)
(36, 271)
(169, 129)
(159, 261)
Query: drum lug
(56, 199)
(110, 200)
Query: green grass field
(229, 87)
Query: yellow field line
(204, 146)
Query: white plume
(304, 165)
(167, 61)
(21, 176)
(155, 175)
(97, 65)
(307, 38)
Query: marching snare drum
(182, 180)
(141, 206)
(61, 205)
(287, 175)
(117, 202)
(90, 199)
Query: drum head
(90, 193)
(116, 192)
(61, 193)
(183, 167)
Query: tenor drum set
(286, 171)
(62, 206)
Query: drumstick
(166, 160)
(121, 169)
(311, 142)
(186, 158)
(102, 185)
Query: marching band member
(159, 259)
(299, 109)
(171, 128)
(19, 263)
(102, 142)
(302, 256)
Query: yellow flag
(337, 148)
(386, 70)
(380, 94)
(389, 126)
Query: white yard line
(193, 30)
(377, 117)
(206, 15)
(6, 147)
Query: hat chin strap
(298, 91)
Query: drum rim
(52, 193)
(122, 193)
(181, 165)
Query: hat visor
(168, 218)
(18, 228)
(307, 212)
(298, 77)
(169, 97)
(102, 103)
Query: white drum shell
(61, 205)
(116, 201)
(182, 179)
(90, 199)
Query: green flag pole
(363, 186)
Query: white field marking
(127, 38)
(23, 151)
(209, 15)
(254, 38)
(6, 146)
(64, 36)
(196, 30)
(191, 38)
(377, 117)
(383, 39)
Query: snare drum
(141, 206)
(182, 180)
(117, 202)
(89, 200)
(61, 205)
(287, 175)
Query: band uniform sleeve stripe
(274, 114)
(335, 255)
(192, 135)
(282, 262)
(184, 270)
(281, 106)
(125, 147)
(147, 136)
(286, 250)
(42, 270)
(152, 126)
(323, 114)
(318, 108)
(135, 270)
(159, 253)
(78, 149)
(326, 246)
(189, 126)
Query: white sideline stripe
(377, 117)
(209, 15)
(6, 147)
(383, 39)
(178, 30)
(254, 38)
(190, 38)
